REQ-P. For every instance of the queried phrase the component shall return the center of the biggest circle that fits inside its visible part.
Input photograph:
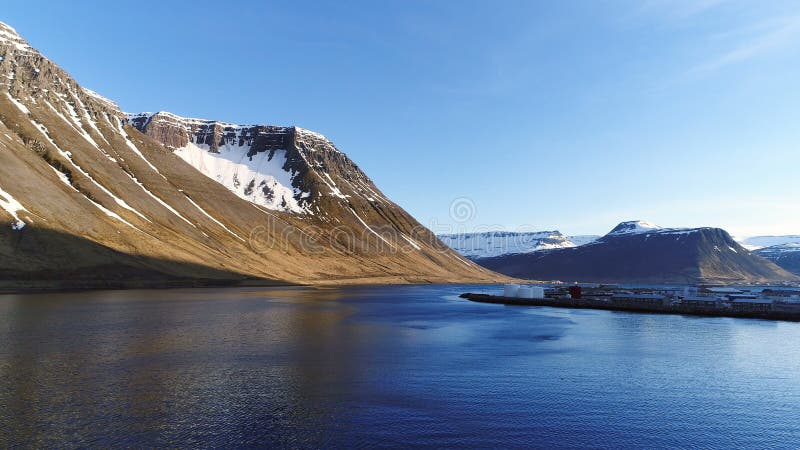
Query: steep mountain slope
(88, 199)
(786, 256)
(496, 243)
(637, 251)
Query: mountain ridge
(71, 163)
(476, 246)
(647, 254)
(785, 255)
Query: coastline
(682, 310)
(64, 286)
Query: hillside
(786, 256)
(94, 197)
(496, 243)
(641, 252)
(758, 242)
(476, 246)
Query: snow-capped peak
(9, 31)
(634, 227)
(10, 37)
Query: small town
(768, 303)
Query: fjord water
(384, 366)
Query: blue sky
(529, 115)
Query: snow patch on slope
(68, 156)
(12, 207)
(260, 179)
(19, 105)
(133, 147)
(10, 37)
(370, 228)
(213, 219)
(109, 103)
(159, 201)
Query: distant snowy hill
(638, 251)
(497, 243)
(634, 227)
(757, 242)
(583, 239)
(785, 255)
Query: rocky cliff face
(641, 252)
(93, 197)
(313, 168)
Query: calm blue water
(385, 366)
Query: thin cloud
(780, 34)
(677, 9)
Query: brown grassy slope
(36, 146)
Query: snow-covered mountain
(495, 243)
(757, 242)
(638, 251)
(279, 168)
(583, 239)
(261, 176)
(785, 255)
(91, 196)
(634, 227)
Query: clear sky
(568, 115)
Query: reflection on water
(392, 366)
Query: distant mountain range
(634, 251)
(782, 250)
(759, 242)
(785, 255)
(497, 243)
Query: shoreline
(681, 310)
(61, 286)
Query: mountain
(476, 246)
(782, 250)
(583, 239)
(757, 242)
(785, 255)
(94, 197)
(638, 251)
(495, 243)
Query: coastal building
(510, 290)
(787, 304)
(751, 304)
(518, 291)
(640, 300)
(531, 292)
(702, 302)
(724, 290)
